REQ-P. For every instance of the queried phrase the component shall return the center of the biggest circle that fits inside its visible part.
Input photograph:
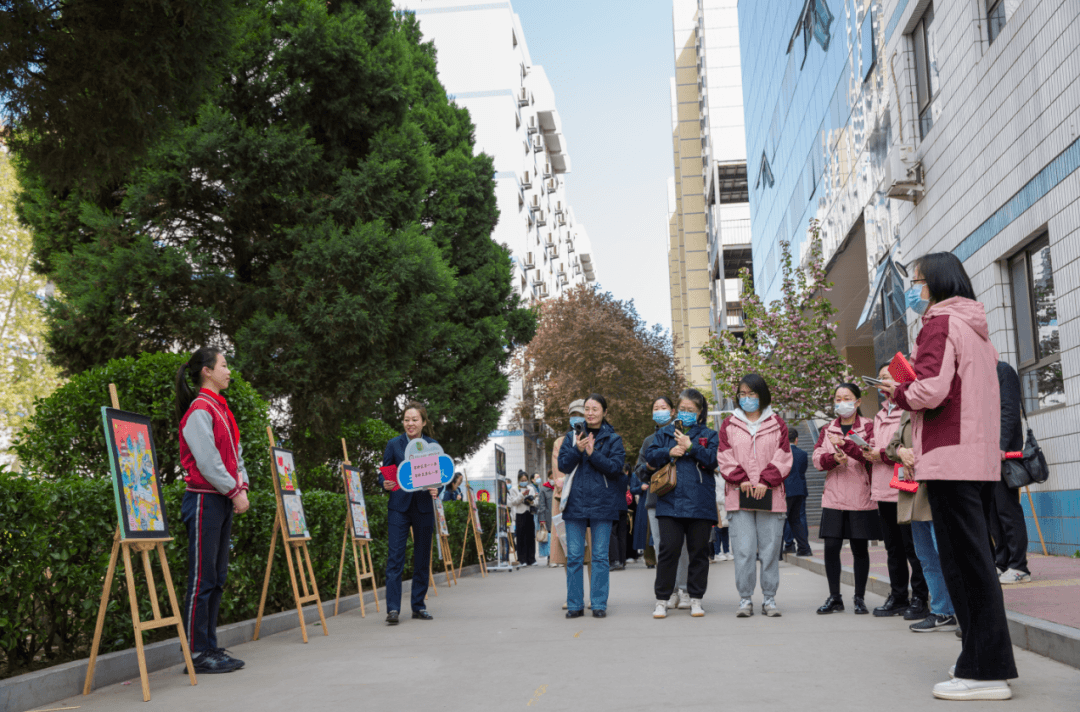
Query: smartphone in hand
(857, 439)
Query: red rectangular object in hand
(902, 485)
(901, 370)
(389, 474)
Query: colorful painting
(294, 516)
(440, 516)
(473, 511)
(354, 495)
(136, 484)
(286, 470)
(483, 496)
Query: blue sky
(610, 64)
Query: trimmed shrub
(54, 551)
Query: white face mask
(845, 408)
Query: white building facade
(484, 63)
(911, 126)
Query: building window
(1035, 316)
(893, 303)
(868, 50)
(765, 176)
(815, 22)
(995, 18)
(926, 69)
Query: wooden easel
(143, 546)
(446, 555)
(365, 569)
(473, 512)
(311, 594)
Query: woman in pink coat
(956, 418)
(899, 544)
(847, 511)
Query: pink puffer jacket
(846, 486)
(955, 401)
(886, 423)
(764, 457)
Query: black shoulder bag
(1032, 466)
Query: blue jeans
(575, 562)
(926, 550)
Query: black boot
(832, 605)
(392, 618)
(917, 610)
(860, 606)
(893, 606)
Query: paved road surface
(501, 643)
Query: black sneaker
(935, 622)
(222, 652)
(209, 662)
(893, 606)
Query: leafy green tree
(790, 342)
(24, 369)
(323, 215)
(90, 84)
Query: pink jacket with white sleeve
(847, 487)
(886, 423)
(759, 453)
(955, 401)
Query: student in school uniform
(405, 510)
(217, 485)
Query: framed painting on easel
(288, 492)
(135, 479)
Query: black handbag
(1032, 466)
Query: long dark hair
(189, 378)
(945, 276)
(695, 396)
(854, 389)
(428, 428)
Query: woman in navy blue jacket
(688, 511)
(405, 509)
(597, 489)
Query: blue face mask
(749, 405)
(915, 302)
(688, 419)
(661, 417)
(575, 419)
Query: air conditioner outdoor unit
(540, 219)
(532, 125)
(537, 143)
(547, 170)
(903, 174)
(530, 261)
(523, 97)
(526, 182)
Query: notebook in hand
(901, 370)
(748, 502)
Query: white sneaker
(960, 689)
(746, 608)
(684, 599)
(1014, 576)
(952, 672)
(729, 556)
(661, 610)
(695, 608)
(768, 607)
(673, 602)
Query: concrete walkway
(502, 643)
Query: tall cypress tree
(323, 215)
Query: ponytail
(189, 375)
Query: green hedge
(54, 550)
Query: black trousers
(1008, 529)
(860, 553)
(795, 529)
(617, 549)
(960, 509)
(208, 518)
(900, 552)
(673, 531)
(525, 538)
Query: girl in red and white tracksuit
(217, 485)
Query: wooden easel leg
(431, 570)
(341, 566)
(89, 685)
(315, 588)
(365, 549)
(139, 653)
(176, 612)
(359, 579)
(1036, 518)
(465, 542)
(295, 590)
(266, 579)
